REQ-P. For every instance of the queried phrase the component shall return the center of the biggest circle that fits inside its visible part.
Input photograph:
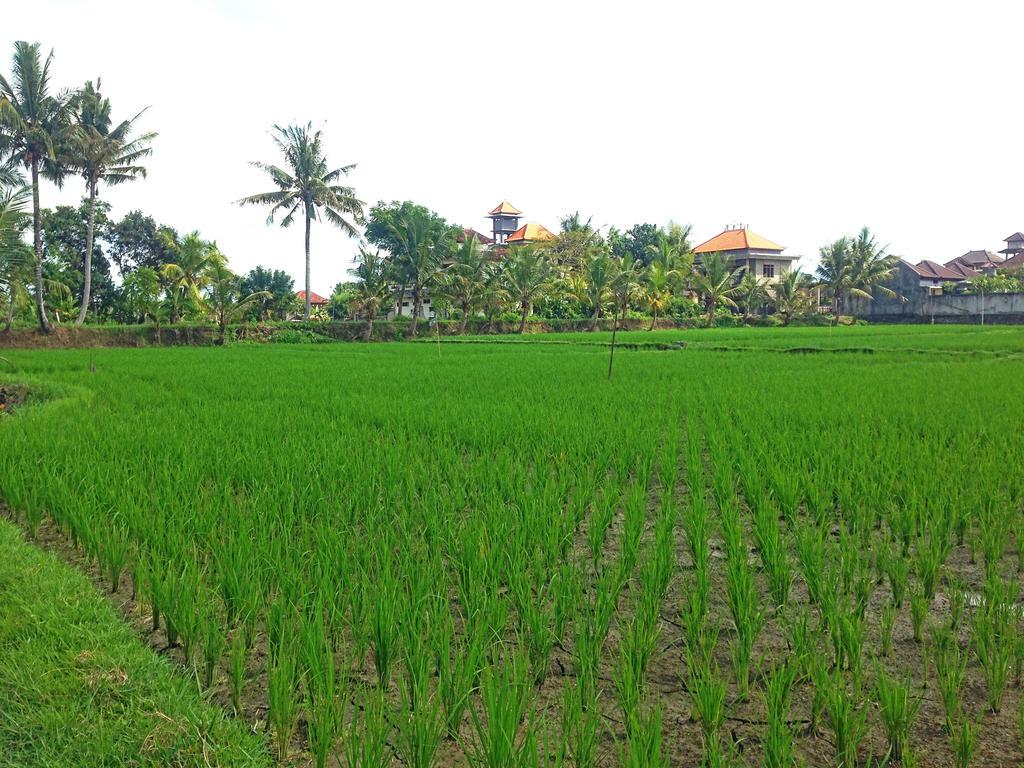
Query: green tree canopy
(386, 222)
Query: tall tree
(624, 287)
(65, 234)
(638, 240)
(715, 281)
(101, 152)
(835, 271)
(421, 252)
(669, 265)
(465, 280)
(372, 289)
(224, 295)
(135, 242)
(307, 188)
(791, 295)
(594, 287)
(751, 292)
(872, 267)
(188, 274)
(15, 256)
(35, 126)
(276, 289)
(577, 241)
(527, 276)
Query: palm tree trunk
(9, 319)
(465, 317)
(611, 353)
(711, 311)
(654, 319)
(87, 267)
(37, 236)
(522, 319)
(369, 327)
(595, 317)
(308, 308)
(417, 307)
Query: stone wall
(922, 308)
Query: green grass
(77, 688)
(442, 532)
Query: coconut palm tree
(791, 295)
(420, 260)
(372, 289)
(624, 288)
(15, 256)
(465, 279)
(527, 277)
(102, 153)
(308, 188)
(872, 267)
(495, 294)
(751, 293)
(188, 274)
(835, 271)
(224, 295)
(664, 274)
(593, 288)
(35, 126)
(715, 281)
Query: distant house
(749, 250)
(530, 233)
(472, 234)
(505, 231)
(959, 268)
(931, 275)
(1013, 264)
(980, 262)
(316, 301)
(1014, 245)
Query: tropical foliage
(308, 188)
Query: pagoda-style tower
(504, 221)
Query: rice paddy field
(487, 553)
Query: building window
(767, 270)
(405, 304)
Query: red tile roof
(961, 269)
(737, 240)
(932, 270)
(529, 233)
(480, 237)
(505, 207)
(315, 299)
(1012, 263)
(979, 258)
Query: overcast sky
(804, 120)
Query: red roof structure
(739, 239)
(480, 237)
(315, 299)
(932, 270)
(1013, 263)
(531, 233)
(505, 208)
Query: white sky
(804, 120)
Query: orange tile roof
(505, 207)
(737, 240)
(314, 298)
(530, 233)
